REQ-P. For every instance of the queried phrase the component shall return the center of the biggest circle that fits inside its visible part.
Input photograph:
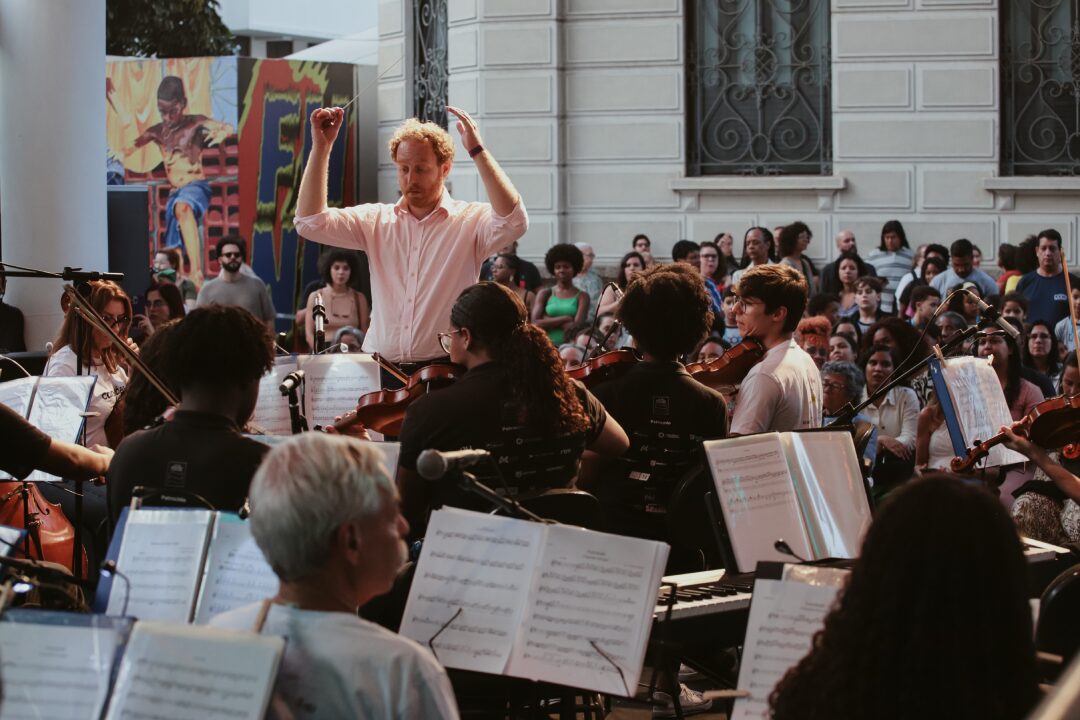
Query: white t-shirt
(107, 390)
(780, 393)
(339, 666)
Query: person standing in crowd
(794, 239)
(962, 269)
(1047, 296)
(216, 357)
(710, 268)
(725, 243)
(324, 512)
(529, 274)
(12, 325)
(845, 243)
(842, 384)
(783, 391)
(232, 287)
(844, 348)
(896, 416)
(426, 235)
(849, 268)
(168, 259)
(891, 260)
(1027, 261)
(932, 266)
(924, 302)
(964, 300)
(756, 244)
(1006, 262)
(522, 407)
(942, 559)
(588, 280)
(732, 335)
(642, 245)
(917, 274)
(506, 270)
(1015, 306)
(1041, 355)
(1063, 331)
(343, 305)
(813, 335)
(632, 263)
(687, 251)
(867, 309)
(558, 308)
(163, 303)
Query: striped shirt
(891, 266)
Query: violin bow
(87, 312)
(390, 368)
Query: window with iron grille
(431, 72)
(758, 87)
(1040, 87)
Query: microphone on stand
(782, 547)
(291, 382)
(433, 464)
(989, 314)
(318, 312)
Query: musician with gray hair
(325, 514)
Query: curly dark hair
(789, 237)
(219, 346)
(778, 286)
(532, 369)
(667, 309)
(328, 258)
(142, 401)
(906, 337)
(564, 252)
(853, 256)
(231, 239)
(934, 621)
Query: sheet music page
(57, 410)
(162, 555)
(482, 565)
(236, 571)
(757, 496)
(980, 405)
(56, 671)
(390, 452)
(784, 615)
(272, 408)
(591, 590)
(831, 492)
(16, 394)
(179, 672)
(333, 384)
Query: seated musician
(783, 391)
(24, 448)
(217, 356)
(934, 621)
(325, 514)
(515, 401)
(665, 412)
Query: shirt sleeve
(350, 227)
(23, 446)
(909, 418)
(596, 412)
(756, 405)
(267, 304)
(500, 231)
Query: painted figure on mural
(181, 139)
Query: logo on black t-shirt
(175, 474)
(661, 405)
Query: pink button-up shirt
(418, 267)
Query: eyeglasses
(444, 340)
(229, 254)
(746, 304)
(833, 386)
(116, 322)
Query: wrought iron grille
(1040, 87)
(431, 72)
(758, 83)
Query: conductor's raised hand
(325, 125)
(466, 127)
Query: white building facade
(588, 106)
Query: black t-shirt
(666, 414)
(476, 412)
(22, 446)
(198, 452)
(12, 337)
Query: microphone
(291, 382)
(782, 547)
(48, 348)
(991, 314)
(318, 312)
(433, 464)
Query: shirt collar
(446, 205)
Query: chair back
(1058, 628)
(565, 506)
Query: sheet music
(980, 405)
(482, 565)
(10, 540)
(784, 616)
(57, 410)
(757, 497)
(177, 672)
(333, 384)
(236, 571)
(831, 491)
(272, 408)
(16, 394)
(590, 588)
(162, 555)
(55, 671)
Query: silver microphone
(433, 464)
(991, 313)
(291, 382)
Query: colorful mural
(220, 144)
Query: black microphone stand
(468, 482)
(296, 418)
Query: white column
(52, 149)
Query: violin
(384, 410)
(730, 368)
(604, 367)
(51, 534)
(1051, 424)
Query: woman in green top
(558, 308)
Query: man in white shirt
(325, 514)
(783, 391)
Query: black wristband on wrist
(476, 151)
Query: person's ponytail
(534, 369)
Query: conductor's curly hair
(412, 129)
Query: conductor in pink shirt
(425, 248)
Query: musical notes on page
(784, 617)
(55, 671)
(180, 672)
(483, 566)
(591, 610)
(236, 571)
(57, 410)
(162, 555)
(333, 384)
(980, 405)
(272, 408)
